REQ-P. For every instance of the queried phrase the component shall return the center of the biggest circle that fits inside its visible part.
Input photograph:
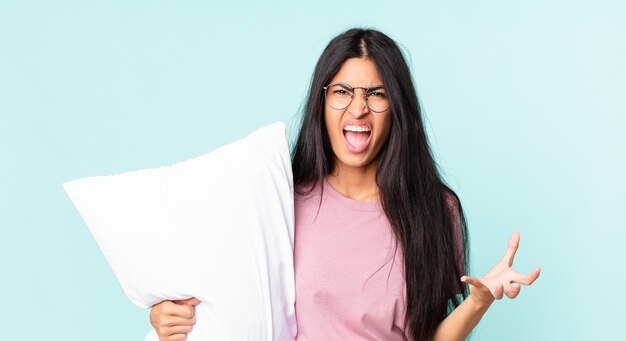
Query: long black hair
(425, 214)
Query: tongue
(358, 140)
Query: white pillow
(218, 227)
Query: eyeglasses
(340, 95)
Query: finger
(180, 310)
(475, 282)
(190, 301)
(172, 321)
(526, 279)
(509, 255)
(193, 301)
(177, 330)
(176, 337)
(512, 290)
(497, 291)
(161, 311)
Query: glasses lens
(377, 100)
(338, 96)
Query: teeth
(356, 128)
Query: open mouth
(357, 138)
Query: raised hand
(501, 279)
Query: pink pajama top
(349, 274)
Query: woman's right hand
(173, 320)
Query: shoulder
(452, 204)
(306, 197)
(307, 190)
(454, 213)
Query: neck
(356, 183)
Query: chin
(356, 161)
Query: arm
(461, 321)
(500, 280)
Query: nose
(358, 106)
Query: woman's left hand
(501, 279)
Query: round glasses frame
(366, 91)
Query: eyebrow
(376, 87)
(371, 88)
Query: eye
(378, 94)
(338, 91)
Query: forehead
(358, 72)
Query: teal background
(524, 103)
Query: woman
(381, 243)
